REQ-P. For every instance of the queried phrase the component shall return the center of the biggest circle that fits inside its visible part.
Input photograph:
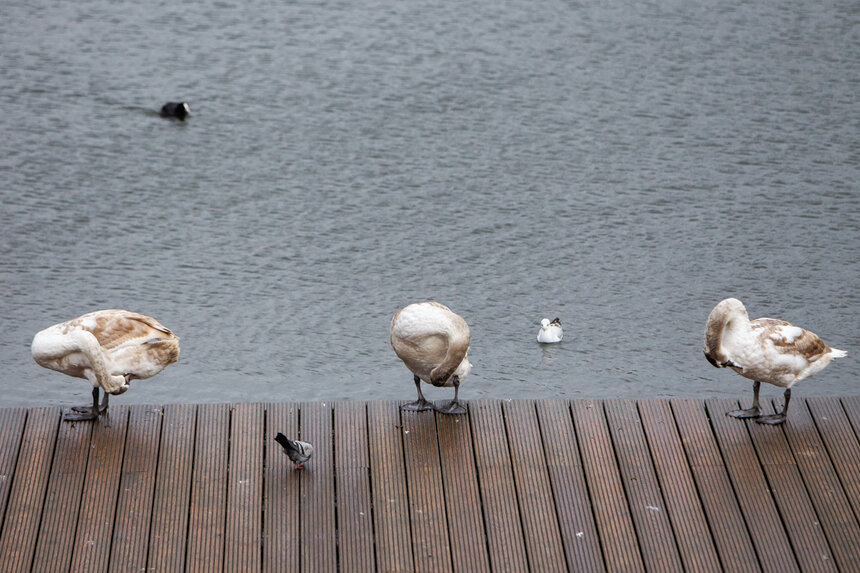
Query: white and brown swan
(109, 348)
(763, 350)
(433, 342)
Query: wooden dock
(521, 485)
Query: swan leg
(454, 406)
(102, 408)
(86, 412)
(775, 419)
(421, 403)
(753, 412)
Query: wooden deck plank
(656, 540)
(851, 404)
(352, 471)
(431, 549)
(852, 409)
(92, 543)
(729, 530)
(63, 498)
(281, 503)
(823, 487)
(27, 495)
(570, 492)
(751, 489)
(537, 509)
(244, 529)
(12, 422)
(168, 535)
(798, 514)
(208, 509)
(505, 538)
(317, 513)
(516, 485)
(842, 444)
(136, 486)
(388, 487)
(462, 496)
(612, 514)
(686, 514)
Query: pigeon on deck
(299, 452)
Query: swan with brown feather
(433, 342)
(109, 348)
(763, 350)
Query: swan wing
(786, 338)
(116, 328)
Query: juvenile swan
(433, 342)
(763, 350)
(550, 331)
(109, 348)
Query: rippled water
(620, 165)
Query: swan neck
(736, 331)
(726, 326)
(89, 346)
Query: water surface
(620, 165)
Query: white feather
(550, 332)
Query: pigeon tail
(283, 440)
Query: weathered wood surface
(515, 485)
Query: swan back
(432, 341)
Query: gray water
(621, 165)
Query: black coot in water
(177, 109)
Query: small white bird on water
(298, 452)
(433, 342)
(109, 348)
(763, 350)
(550, 331)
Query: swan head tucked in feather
(728, 314)
(462, 370)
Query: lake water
(621, 165)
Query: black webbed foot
(452, 407)
(748, 413)
(417, 406)
(81, 414)
(772, 420)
